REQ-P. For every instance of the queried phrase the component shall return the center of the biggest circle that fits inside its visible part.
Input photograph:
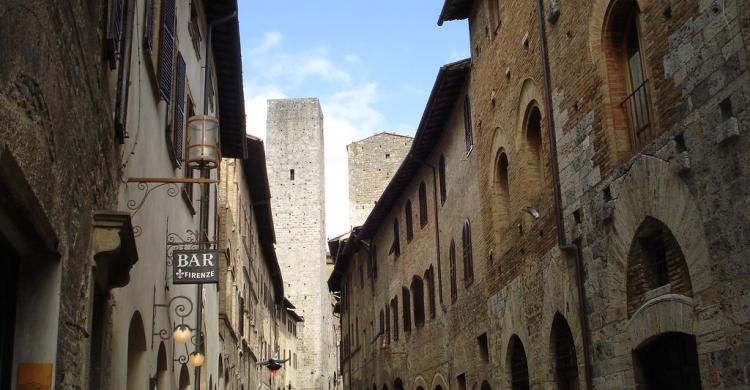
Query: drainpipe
(437, 226)
(573, 247)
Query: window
(382, 322)
(241, 316)
(374, 261)
(361, 277)
(468, 258)
(636, 104)
(194, 30)
(406, 306)
(429, 276)
(291, 174)
(119, 43)
(422, 204)
(452, 261)
(533, 146)
(394, 315)
(503, 190)
(166, 50)
(417, 293)
(178, 120)
(396, 245)
(484, 348)
(387, 324)
(407, 219)
(441, 172)
(468, 132)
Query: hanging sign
(195, 267)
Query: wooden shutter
(148, 28)
(166, 50)
(179, 110)
(115, 13)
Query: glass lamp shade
(181, 334)
(196, 359)
(203, 142)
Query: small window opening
(679, 141)
(291, 174)
(484, 351)
(577, 216)
(607, 192)
(387, 155)
(726, 109)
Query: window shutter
(166, 52)
(179, 110)
(148, 28)
(114, 30)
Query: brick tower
(295, 160)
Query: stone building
(609, 242)
(256, 321)
(372, 163)
(96, 98)
(295, 159)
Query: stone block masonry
(295, 160)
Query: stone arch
(564, 356)
(501, 188)
(439, 382)
(528, 156)
(517, 364)
(651, 189)
(599, 11)
(669, 360)
(420, 383)
(137, 374)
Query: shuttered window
(179, 111)
(166, 50)
(468, 258)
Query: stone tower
(295, 159)
(372, 163)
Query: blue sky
(371, 63)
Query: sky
(372, 64)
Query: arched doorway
(519, 369)
(667, 362)
(398, 384)
(564, 351)
(137, 375)
(485, 386)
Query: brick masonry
(693, 177)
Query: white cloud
(348, 109)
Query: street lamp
(196, 359)
(181, 334)
(203, 142)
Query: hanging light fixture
(182, 334)
(203, 142)
(196, 359)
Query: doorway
(668, 362)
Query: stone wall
(295, 160)
(57, 131)
(372, 163)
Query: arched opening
(452, 263)
(502, 188)
(422, 204)
(429, 277)
(438, 387)
(656, 265)
(387, 324)
(533, 174)
(668, 361)
(420, 388)
(441, 171)
(485, 386)
(406, 304)
(417, 292)
(385, 387)
(184, 381)
(627, 81)
(137, 375)
(468, 256)
(394, 315)
(519, 369)
(565, 362)
(161, 367)
(398, 384)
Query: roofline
(424, 142)
(382, 133)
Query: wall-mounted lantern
(203, 142)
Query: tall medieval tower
(295, 159)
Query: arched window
(533, 174)
(628, 88)
(396, 245)
(422, 204)
(417, 293)
(468, 258)
(468, 131)
(382, 322)
(519, 369)
(485, 386)
(503, 190)
(387, 324)
(441, 172)
(566, 364)
(406, 305)
(394, 315)
(407, 220)
(668, 361)
(374, 261)
(452, 260)
(429, 277)
(398, 384)
(655, 261)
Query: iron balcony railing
(639, 116)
